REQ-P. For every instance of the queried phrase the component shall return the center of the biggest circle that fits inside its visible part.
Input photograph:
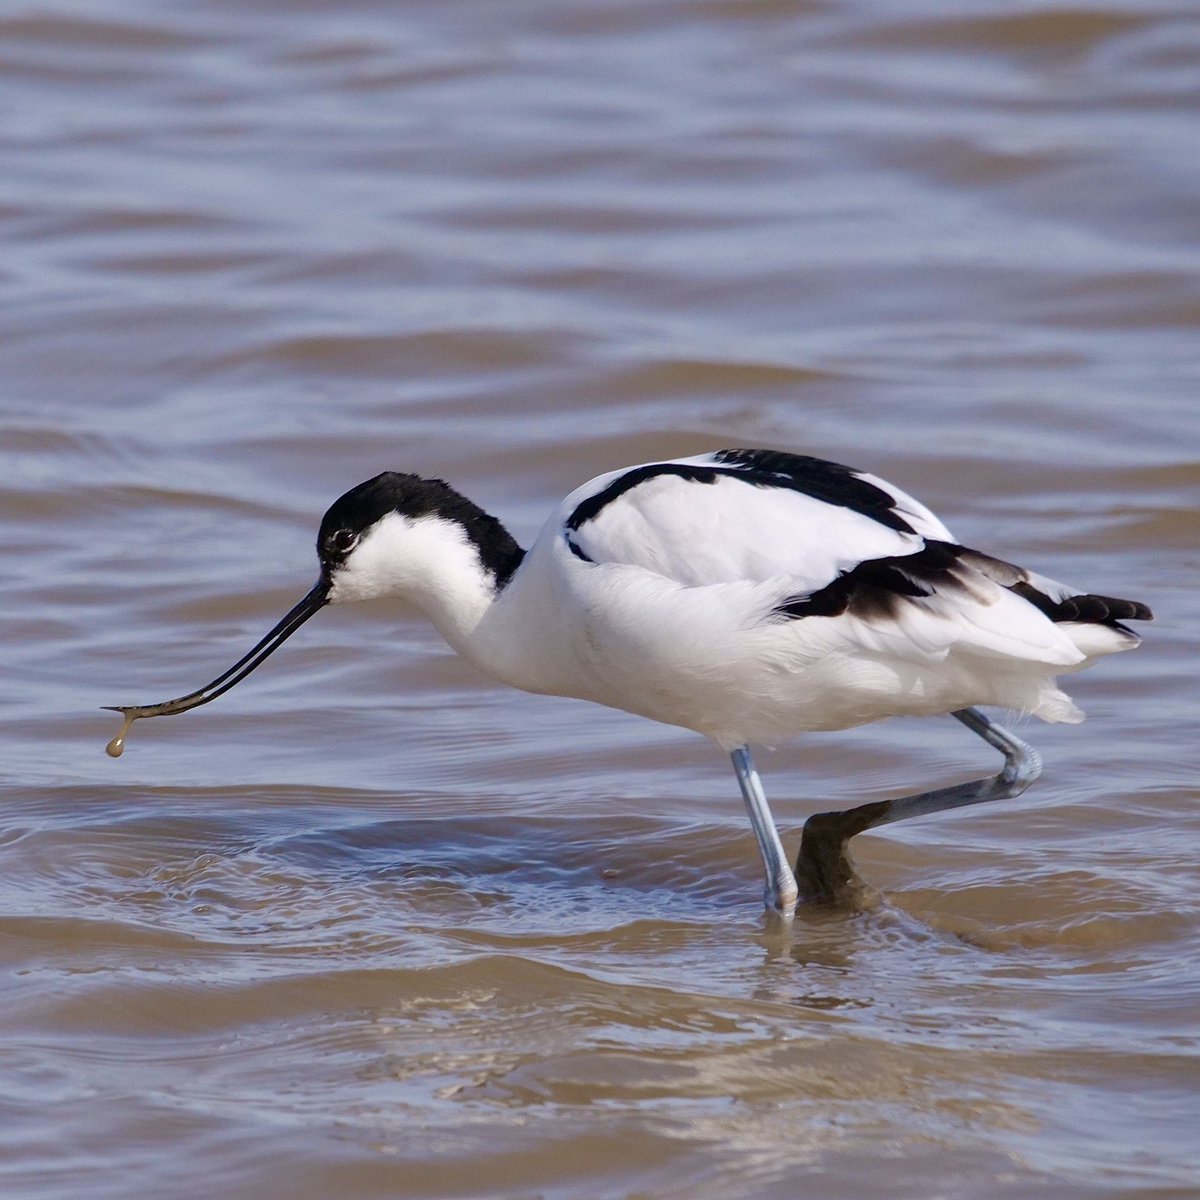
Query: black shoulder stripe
(827, 481)
(576, 550)
(834, 483)
(589, 508)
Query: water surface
(369, 926)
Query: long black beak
(312, 603)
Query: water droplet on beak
(116, 747)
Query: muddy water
(368, 926)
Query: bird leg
(824, 870)
(780, 892)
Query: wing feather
(701, 521)
(785, 539)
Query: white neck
(428, 561)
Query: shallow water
(368, 926)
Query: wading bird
(748, 595)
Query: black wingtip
(1088, 608)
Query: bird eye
(344, 540)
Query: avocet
(748, 595)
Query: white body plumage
(666, 603)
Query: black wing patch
(877, 588)
(815, 477)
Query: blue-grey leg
(824, 871)
(1022, 765)
(780, 892)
